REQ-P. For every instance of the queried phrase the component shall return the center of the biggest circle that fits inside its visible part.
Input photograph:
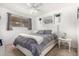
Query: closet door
(78, 37)
(77, 32)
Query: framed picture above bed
(18, 21)
(48, 20)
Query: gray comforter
(47, 38)
(32, 45)
(28, 43)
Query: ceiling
(44, 8)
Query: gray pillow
(47, 31)
(44, 32)
(40, 32)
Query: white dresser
(2, 50)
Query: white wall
(40, 25)
(9, 36)
(68, 22)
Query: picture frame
(48, 20)
(18, 21)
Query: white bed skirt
(45, 50)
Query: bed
(36, 44)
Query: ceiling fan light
(29, 4)
(33, 11)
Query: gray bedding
(32, 45)
(47, 38)
(28, 43)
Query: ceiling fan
(34, 6)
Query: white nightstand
(67, 40)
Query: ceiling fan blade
(33, 5)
